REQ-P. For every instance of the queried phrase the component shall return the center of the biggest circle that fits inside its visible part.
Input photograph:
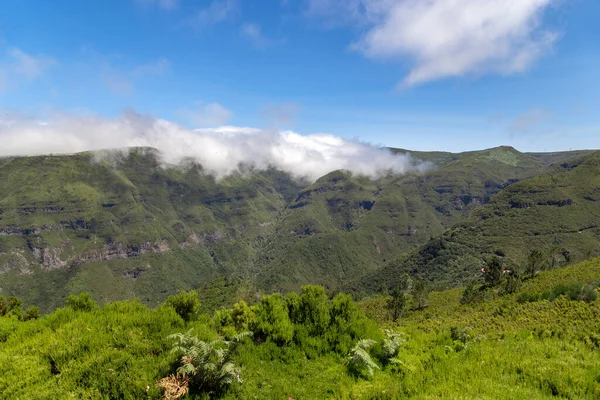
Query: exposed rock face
(15, 262)
(213, 237)
(192, 241)
(460, 203)
(410, 232)
(117, 250)
(51, 258)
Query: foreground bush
(359, 360)
(206, 367)
(497, 348)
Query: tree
(383, 290)
(492, 273)
(397, 303)
(359, 360)
(513, 281)
(555, 252)
(567, 255)
(420, 294)
(534, 262)
(345, 326)
(185, 304)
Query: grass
(496, 349)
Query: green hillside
(125, 226)
(343, 226)
(307, 346)
(121, 225)
(556, 212)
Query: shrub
(185, 304)
(3, 307)
(391, 346)
(11, 307)
(272, 320)
(32, 313)
(293, 302)
(574, 291)
(314, 312)
(471, 294)
(346, 324)
(359, 361)
(242, 316)
(205, 366)
(82, 302)
(223, 318)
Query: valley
(123, 225)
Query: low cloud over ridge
(220, 150)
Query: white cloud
(28, 65)
(158, 67)
(17, 67)
(164, 4)
(356, 12)
(446, 38)
(220, 150)
(2, 79)
(217, 11)
(210, 115)
(122, 80)
(118, 84)
(278, 115)
(530, 121)
(255, 35)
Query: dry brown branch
(175, 387)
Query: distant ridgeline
(124, 225)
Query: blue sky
(427, 75)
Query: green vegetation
(122, 224)
(550, 220)
(310, 345)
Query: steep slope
(557, 212)
(124, 226)
(343, 226)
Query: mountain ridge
(126, 225)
